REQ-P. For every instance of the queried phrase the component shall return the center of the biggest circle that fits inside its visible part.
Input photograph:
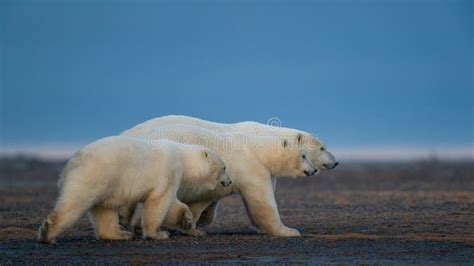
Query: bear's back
(164, 121)
(121, 153)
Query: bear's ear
(299, 138)
(285, 143)
(205, 154)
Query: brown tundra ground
(358, 213)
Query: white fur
(253, 153)
(120, 171)
(324, 160)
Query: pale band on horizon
(378, 154)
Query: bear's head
(315, 151)
(206, 168)
(305, 155)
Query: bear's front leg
(259, 199)
(155, 209)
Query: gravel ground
(359, 213)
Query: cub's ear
(285, 143)
(205, 154)
(299, 138)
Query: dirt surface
(359, 213)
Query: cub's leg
(179, 216)
(208, 215)
(136, 220)
(125, 216)
(105, 221)
(197, 209)
(155, 209)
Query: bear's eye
(303, 156)
(322, 149)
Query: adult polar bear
(324, 160)
(254, 180)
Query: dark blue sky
(357, 73)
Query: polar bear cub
(121, 171)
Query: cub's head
(209, 170)
(307, 155)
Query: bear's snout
(226, 184)
(330, 166)
(310, 173)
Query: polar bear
(324, 160)
(253, 161)
(122, 171)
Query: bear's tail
(76, 160)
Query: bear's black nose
(336, 164)
(223, 183)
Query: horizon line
(375, 153)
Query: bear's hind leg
(66, 213)
(106, 224)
